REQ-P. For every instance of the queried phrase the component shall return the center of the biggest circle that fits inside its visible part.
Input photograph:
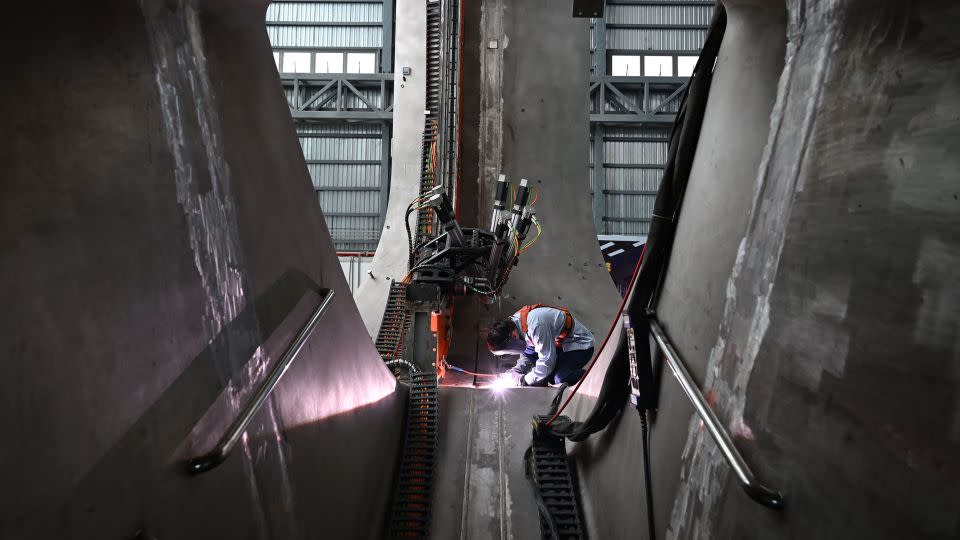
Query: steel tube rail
(757, 491)
(230, 438)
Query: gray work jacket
(544, 324)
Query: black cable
(406, 223)
(683, 144)
(541, 502)
(423, 265)
(645, 434)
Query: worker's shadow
(142, 466)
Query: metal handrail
(230, 438)
(757, 491)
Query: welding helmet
(511, 346)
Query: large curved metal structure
(162, 247)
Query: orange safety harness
(567, 320)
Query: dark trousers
(570, 365)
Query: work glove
(515, 377)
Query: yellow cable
(534, 241)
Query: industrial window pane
(625, 66)
(685, 65)
(361, 62)
(276, 60)
(330, 62)
(658, 66)
(296, 62)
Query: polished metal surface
(756, 490)
(230, 438)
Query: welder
(553, 346)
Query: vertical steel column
(599, 70)
(598, 179)
(386, 128)
(386, 136)
(386, 49)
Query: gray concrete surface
(534, 89)
(480, 490)
(409, 99)
(841, 279)
(818, 317)
(162, 244)
(715, 212)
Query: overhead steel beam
(626, 26)
(386, 53)
(599, 73)
(618, 118)
(622, 80)
(360, 116)
(287, 78)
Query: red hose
(616, 321)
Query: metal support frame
(386, 53)
(625, 102)
(386, 138)
(599, 180)
(326, 102)
(231, 437)
(346, 98)
(599, 72)
(756, 490)
(609, 90)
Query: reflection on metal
(229, 439)
(757, 491)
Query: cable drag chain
(396, 322)
(549, 473)
(412, 501)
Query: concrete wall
(720, 190)
(821, 321)
(480, 489)
(533, 114)
(162, 246)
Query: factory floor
(479, 488)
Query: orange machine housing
(438, 325)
